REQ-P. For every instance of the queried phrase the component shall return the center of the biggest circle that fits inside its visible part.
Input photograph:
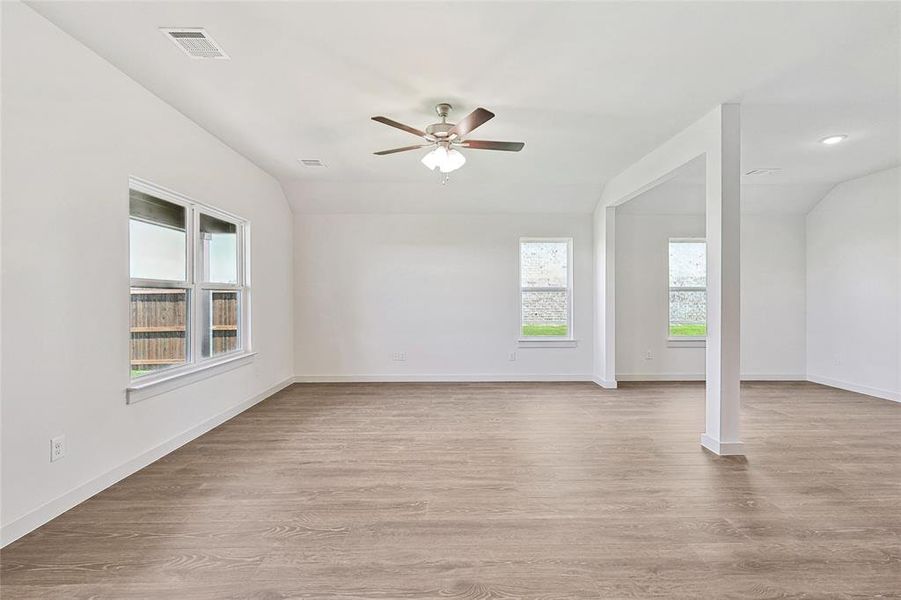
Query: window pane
(221, 312)
(158, 329)
(544, 313)
(156, 238)
(687, 314)
(220, 250)
(687, 264)
(544, 264)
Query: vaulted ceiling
(590, 87)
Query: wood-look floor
(469, 491)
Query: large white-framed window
(545, 289)
(190, 286)
(687, 268)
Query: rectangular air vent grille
(311, 162)
(765, 171)
(195, 42)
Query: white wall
(641, 297)
(853, 286)
(443, 289)
(74, 129)
(772, 297)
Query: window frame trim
(568, 340)
(684, 341)
(195, 287)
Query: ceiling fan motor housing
(441, 130)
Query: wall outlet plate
(57, 448)
(399, 356)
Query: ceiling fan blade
(404, 149)
(477, 117)
(407, 128)
(486, 145)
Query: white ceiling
(683, 194)
(679, 197)
(590, 87)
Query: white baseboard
(52, 509)
(702, 377)
(442, 378)
(607, 384)
(773, 377)
(854, 387)
(660, 377)
(722, 448)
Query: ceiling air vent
(195, 42)
(311, 162)
(765, 171)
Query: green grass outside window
(688, 329)
(545, 330)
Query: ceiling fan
(445, 138)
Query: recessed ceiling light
(311, 162)
(833, 139)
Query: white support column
(717, 137)
(605, 302)
(723, 287)
(610, 304)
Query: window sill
(686, 343)
(547, 343)
(141, 390)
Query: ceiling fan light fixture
(444, 159)
(454, 161)
(435, 158)
(443, 137)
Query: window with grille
(545, 277)
(189, 287)
(687, 288)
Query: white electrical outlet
(399, 356)
(512, 356)
(57, 448)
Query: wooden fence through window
(159, 319)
